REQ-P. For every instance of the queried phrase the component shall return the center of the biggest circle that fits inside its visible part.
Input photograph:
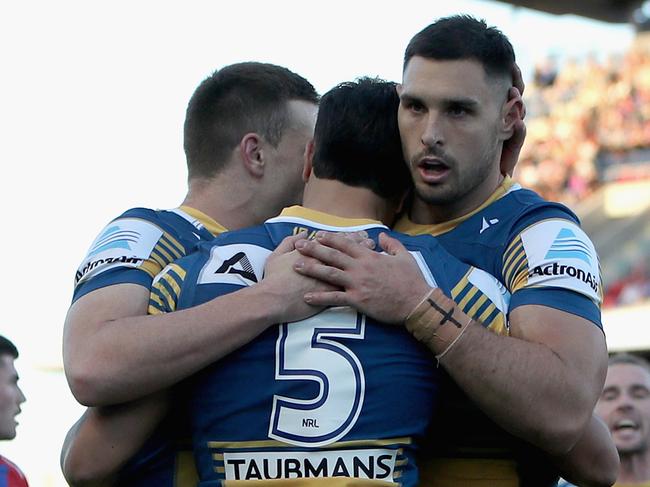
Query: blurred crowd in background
(588, 125)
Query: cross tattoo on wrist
(447, 316)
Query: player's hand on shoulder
(289, 287)
(386, 286)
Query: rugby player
(505, 394)
(246, 131)
(336, 399)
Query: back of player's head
(356, 140)
(236, 100)
(8, 348)
(463, 37)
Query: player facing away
(338, 398)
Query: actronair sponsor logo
(556, 269)
(114, 237)
(376, 464)
(123, 259)
(568, 246)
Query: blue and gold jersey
(336, 399)
(537, 250)
(132, 249)
(138, 244)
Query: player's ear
(511, 113)
(309, 157)
(251, 149)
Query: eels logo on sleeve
(558, 254)
(126, 242)
(240, 264)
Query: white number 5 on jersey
(308, 351)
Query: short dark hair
(7, 347)
(237, 99)
(629, 359)
(464, 37)
(357, 139)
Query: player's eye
(457, 110)
(609, 395)
(413, 105)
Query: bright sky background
(92, 101)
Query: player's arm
(594, 460)
(104, 439)
(540, 384)
(113, 352)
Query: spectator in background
(625, 407)
(585, 119)
(11, 397)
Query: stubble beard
(459, 186)
(640, 448)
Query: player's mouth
(433, 170)
(625, 426)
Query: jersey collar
(405, 224)
(210, 225)
(325, 219)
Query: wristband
(420, 322)
(428, 317)
(453, 342)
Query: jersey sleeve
(477, 293)
(130, 249)
(552, 262)
(166, 290)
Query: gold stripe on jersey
(169, 279)
(175, 246)
(515, 267)
(405, 225)
(161, 262)
(462, 284)
(166, 290)
(171, 249)
(166, 301)
(167, 257)
(498, 325)
(151, 267)
(521, 280)
(468, 296)
(479, 472)
(153, 309)
(601, 296)
(221, 445)
(486, 314)
(185, 474)
(512, 253)
(477, 305)
(211, 225)
(325, 218)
